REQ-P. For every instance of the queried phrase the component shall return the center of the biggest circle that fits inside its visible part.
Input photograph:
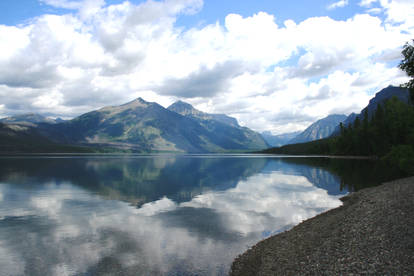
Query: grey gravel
(372, 233)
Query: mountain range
(141, 126)
(29, 119)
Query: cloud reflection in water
(60, 228)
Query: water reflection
(137, 180)
(162, 215)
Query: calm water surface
(157, 215)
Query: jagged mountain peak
(184, 108)
(187, 109)
(138, 103)
(181, 103)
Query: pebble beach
(372, 233)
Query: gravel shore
(371, 234)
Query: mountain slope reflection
(136, 180)
(318, 176)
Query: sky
(274, 65)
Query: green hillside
(141, 126)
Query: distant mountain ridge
(29, 119)
(320, 129)
(17, 138)
(279, 140)
(142, 126)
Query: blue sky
(214, 10)
(17, 12)
(274, 65)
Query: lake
(159, 214)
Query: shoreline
(371, 233)
(6, 154)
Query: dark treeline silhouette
(391, 125)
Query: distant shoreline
(372, 233)
(247, 154)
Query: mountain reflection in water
(151, 215)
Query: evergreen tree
(407, 65)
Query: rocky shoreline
(372, 233)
